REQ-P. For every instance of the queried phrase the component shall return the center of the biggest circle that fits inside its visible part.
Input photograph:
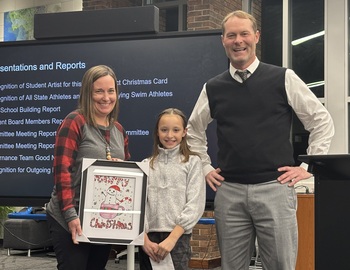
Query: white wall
(52, 6)
(337, 71)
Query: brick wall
(208, 14)
(256, 8)
(204, 245)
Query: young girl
(176, 193)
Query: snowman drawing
(113, 200)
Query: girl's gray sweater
(176, 192)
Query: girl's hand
(151, 249)
(165, 248)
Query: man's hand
(292, 175)
(214, 179)
(75, 228)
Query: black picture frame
(112, 201)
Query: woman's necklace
(108, 147)
(108, 152)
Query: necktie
(243, 74)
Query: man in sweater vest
(255, 197)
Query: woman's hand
(75, 229)
(117, 159)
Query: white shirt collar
(251, 68)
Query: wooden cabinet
(306, 227)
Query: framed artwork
(112, 201)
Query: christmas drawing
(114, 197)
